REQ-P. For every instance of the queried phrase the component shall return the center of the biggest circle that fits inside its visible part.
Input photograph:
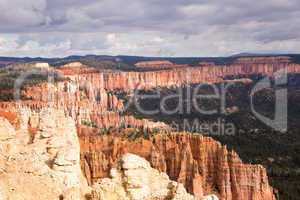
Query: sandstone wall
(203, 165)
(128, 81)
(133, 178)
(39, 158)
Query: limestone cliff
(39, 159)
(88, 95)
(201, 164)
(84, 100)
(39, 144)
(129, 81)
(134, 179)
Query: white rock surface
(7, 131)
(210, 197)
(134, 179)
(48, 168)
(42, 65)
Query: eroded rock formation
(44, 164)
(133, 178)
(201, 164)
(129, 81)
(39, 145)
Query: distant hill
(131, 60)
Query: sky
(56, 28)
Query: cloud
(17, 15)
(153, 27)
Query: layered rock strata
(129, 81)
(134, 179)
(201, 164)
(38, 144)
(40, 159)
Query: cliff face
(201, 164)
(128, 81)
(41, 150)
(135, 179)
(85, 100)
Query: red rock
(203, 165)
(128, 81)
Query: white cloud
(198, 10)
(20, 13)
(154, 28)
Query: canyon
(71, 137)
(129, 81)
(133, 178)
(201, 164)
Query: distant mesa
(157, 64)
(76, 68)
(264, 60)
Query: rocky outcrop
(115, 120)
(129, 81)
(201, 164)
(134, 179)
(50, 160)
(90, 97)
(39, 145)
(86, 102)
